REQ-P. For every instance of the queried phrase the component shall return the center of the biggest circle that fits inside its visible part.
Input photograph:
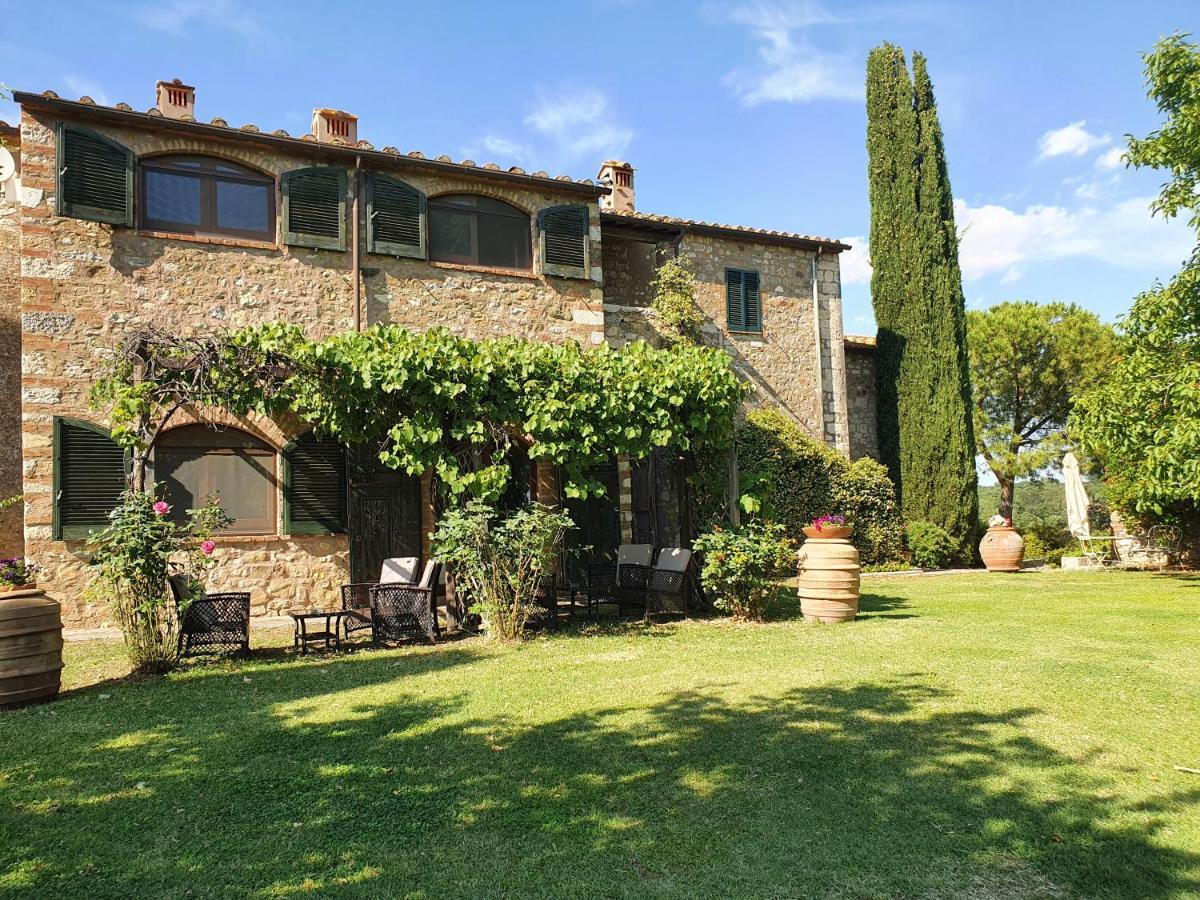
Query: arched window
(207, 196)
(467, 228)
(195, 462)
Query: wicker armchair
(402, 611)
(356, 598)
(621, 584)
(220, 620)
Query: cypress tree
(923, 381)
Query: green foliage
(923, 380)
(1027, 361)
(433, 401)
(1041, 502)
(498, 563)
(16, 571)
(1048, 542)
(10, 502)
(793, 478)
(135, 554)
(674, 298)
(743, 567)
(1143, 422)
(931, 545)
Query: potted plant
(829, 528)
(17, 573)
(1001, 548)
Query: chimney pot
(618, 176)
(335, 126)
(175, 100)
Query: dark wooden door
(659, 489)
(597, 532)
(385, 515)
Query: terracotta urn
(1002, 549)
(828, 532)
(30, 647)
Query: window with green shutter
(743, 301)
(95, 177)
(565, 246)
(314, 486)
(89, 477)
(395, 217)
(314, 208)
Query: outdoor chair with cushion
(356, 597)
(609, 583)
(401, 611)
(669, 582)
(220, 620)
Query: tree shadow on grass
(362, 780)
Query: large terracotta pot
(30, 647)
(1002, 549)
(828, 531)
(828, 579)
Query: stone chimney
(176, 100)
(334, 126)
(618, 176)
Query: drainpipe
(355, 260)
(816, 308)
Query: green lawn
(978, 736)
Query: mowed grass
(975, 735)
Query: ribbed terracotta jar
(1002, 549)
(31, 645)
(828, 579)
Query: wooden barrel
(31, 645)
(829, 576)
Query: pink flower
(161, 508)
(207, 548)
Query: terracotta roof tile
(733, 230)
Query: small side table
(303, 637)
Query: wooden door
(385, 515)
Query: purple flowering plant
(836, 521)
(15, 571)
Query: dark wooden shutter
(314, 208)
(395, 217)
(95, 177)
(734, 319)
(751, 302)
(89, 478)
(564, 239)
(314, 486)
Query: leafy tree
(675, 298)
(924, 388)
(1027, 361)
(1144, 422)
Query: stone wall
(83, 285)
(12, 541)
(860, 396)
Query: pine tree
(924, 387)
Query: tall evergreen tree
(924, 385)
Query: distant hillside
(1041, 501)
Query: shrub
(141, 547)
(743, 566)
(498, 563)
(931, 545)
(674, 298)
(792, 478)
(16, 572)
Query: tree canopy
(1143, 422)
(1027, 361)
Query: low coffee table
(331, 632)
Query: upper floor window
(743, 303)
(466, 228)
(205, 195)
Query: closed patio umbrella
(1077, 498)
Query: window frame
(209, 212)
(434, 205)
(757, 328)
(271, 520)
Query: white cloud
(86, 87)
(997, 240)
(1070, 140)
(855, 262)
(791, 69)
(501, 148)
(1112, 158)
(176, 16)
(580, 124)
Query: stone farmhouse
(118, 219)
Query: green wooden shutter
(734, 319)
(564, 240)
(314, 208)
(95, 177)
(395, 217)
(751, 302)
(314, 486)
(89, 477)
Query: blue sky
(739, 112)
